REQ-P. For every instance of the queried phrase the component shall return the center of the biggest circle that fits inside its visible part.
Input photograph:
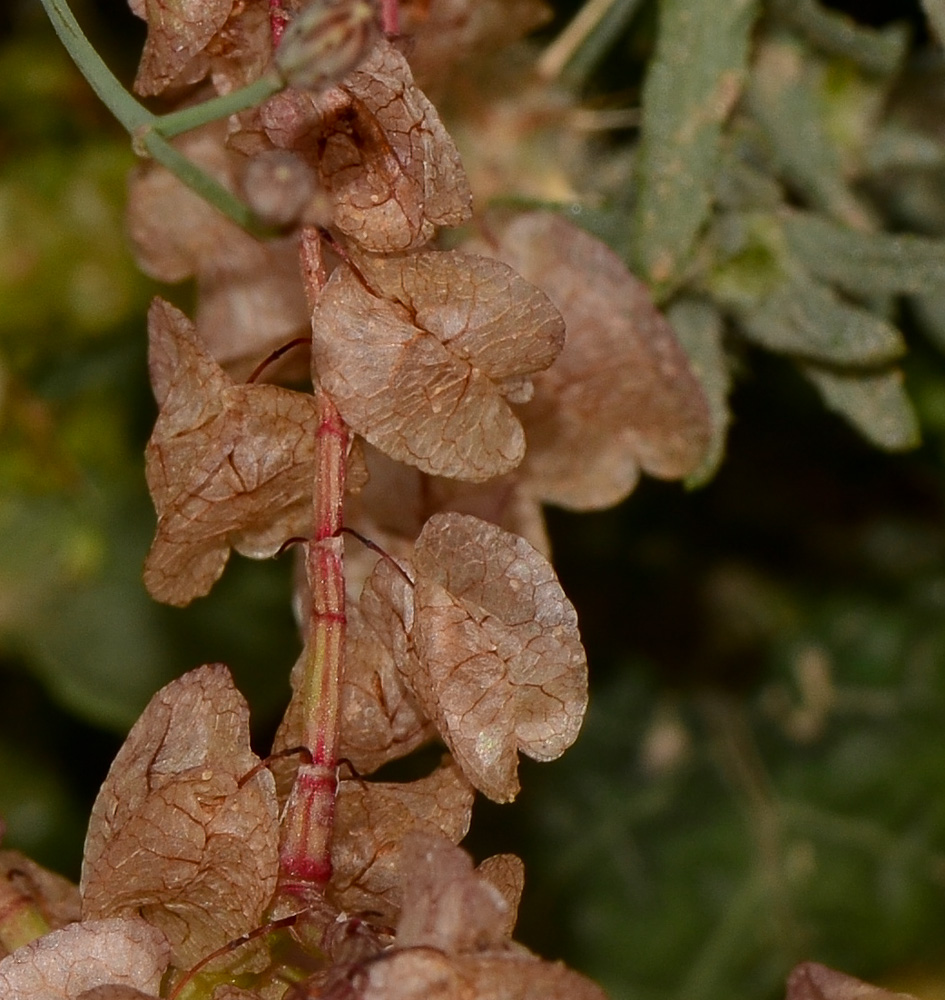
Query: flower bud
(325, 41)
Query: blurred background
(761, 778)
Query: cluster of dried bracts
(432, 400)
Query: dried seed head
(327, 40)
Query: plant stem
(186, 119)
(210, 189)
(150, 132)
(132, 115)
(584, 41)
(305, 857)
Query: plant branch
(132, 115)
(305, 855)
(199, 181)
(176, 122)
(150, 132)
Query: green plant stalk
(176, 122)
(150, 132)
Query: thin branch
(132, 115)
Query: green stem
(186, 119)
(210, 189)
(101, 79)
(150, 132)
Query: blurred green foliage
(761, 778)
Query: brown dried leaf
(250, 299)
(517, 975)
(228, 465)
(389, 167)
(507, 873)
(371, 821)
(621, 396)
(812, 981)
(446, 905)
(502, 666)
(398, 499)
(64, 964)
(420, 365)
(425, 974)
(172, 835)
(178, 31)
(56, 898)
(446, 32)
(413, 974)
(380, 720)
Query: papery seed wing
(227, 465)
(502, 667)
(173, 835)
(420, 372)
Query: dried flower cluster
(451, 393)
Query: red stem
(305, 858)
(278, 21)
(390, 17)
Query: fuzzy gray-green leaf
(807, 318)
(699, 328)
(866, 263)
(815, 115)
(877, 50)
(875, 403)
(695, 79)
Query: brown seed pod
(327, 40)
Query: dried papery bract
(446, 904)
(66, 963)
(813, 981)
(32, 900)
(113, 992)
(249, 298)
(621, 397)
(421, 362)
(506, 873)
(498, 662)
(372, 820)
(380, 719)
(397, 499)
(389, 168)
(177, 34)
(228, 465)
(450, 942)
(174, 836)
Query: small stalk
(308, 822)
(178, 122)
(150, 132)
(578, 49)
(278, 21)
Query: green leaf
(875, 403)
(694, 80)
(818, 116)
(877, 50)
(808, 319)
(865, 263)
(699, 328)
(697, 843)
